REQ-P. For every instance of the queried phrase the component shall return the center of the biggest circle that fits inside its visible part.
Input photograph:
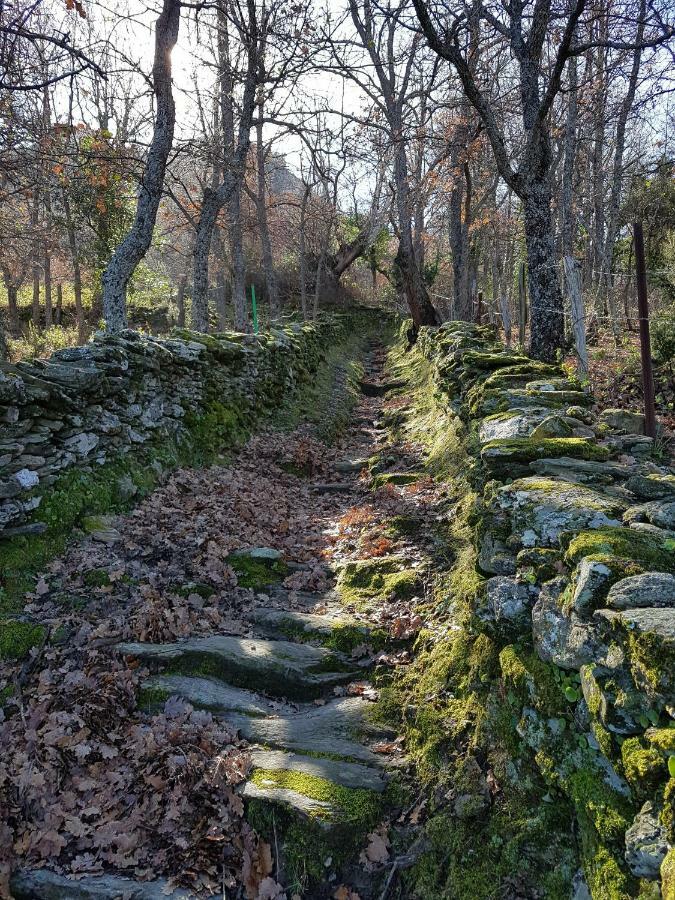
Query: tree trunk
(77, 272)
(617, 172)
(263, 224)
(13, 308)
(412, 283)
(48, 289)
(241, 321)
(135, 245)
(567, 199)
(302, 250)
(59, 303)
(180, 300)
(211, 205)
(546, 311)
(36, 250)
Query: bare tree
(135, 245)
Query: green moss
(645, 550)
(503, 453)
(152, 699)
(608, 812)
(643, 767)
(367, 580)
(96, 578)
(403, 526)
(17, 638)
(257, 573)
(605, 740)
(543, 561)
(400, 478)
(354, 806)
(533, 680)
(521, 842)
(668, 811)
(663, 739)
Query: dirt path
(223, 643)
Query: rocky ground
(203, 671)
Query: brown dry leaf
(345, 893)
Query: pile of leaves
(89, 784)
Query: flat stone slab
(346, 774)
(333, 487)
(308, 807)
(274, 621)
(43, 884)
(650, 589)
(336, 728)
(573, 469)
(280, 668)
(350, 465)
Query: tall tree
(135, 245)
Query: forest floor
(202, 708)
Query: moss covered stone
(509, 456)
(643, 766)
(256, 572)
(367, 580)
(17, 638)
(646, 550)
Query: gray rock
(652, 487)
(660, 513)
(82, 444)
(646, 843)
(515, 424)
(126, 489)
(547, 508)
(623, 421)
(280, 668)
(613, 699)
(43, 884)
(590, 578)
(346, 774)
(341, 726)
(553, 426)
(564, 640)
(653, 589)
(508, 603)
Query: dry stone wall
(575, 537)
(121, 396)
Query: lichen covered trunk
(547, 330)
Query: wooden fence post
(522, 304)
(479, 311)
(645, 343)
(573, 283)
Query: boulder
(652, 487)
(623, 421)
(590, 578)
(564, 640)
(546, 508)
(508, 604)
(647, 636)
(646, 843)
(660, 513)
(652, 589)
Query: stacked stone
(575, 536)
(86, 406)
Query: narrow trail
(219, 644)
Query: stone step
(350, 465)
(280, 668)
(336, 728)
(333, 487)
(43, 884)
(289, 622)
(346, 774)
